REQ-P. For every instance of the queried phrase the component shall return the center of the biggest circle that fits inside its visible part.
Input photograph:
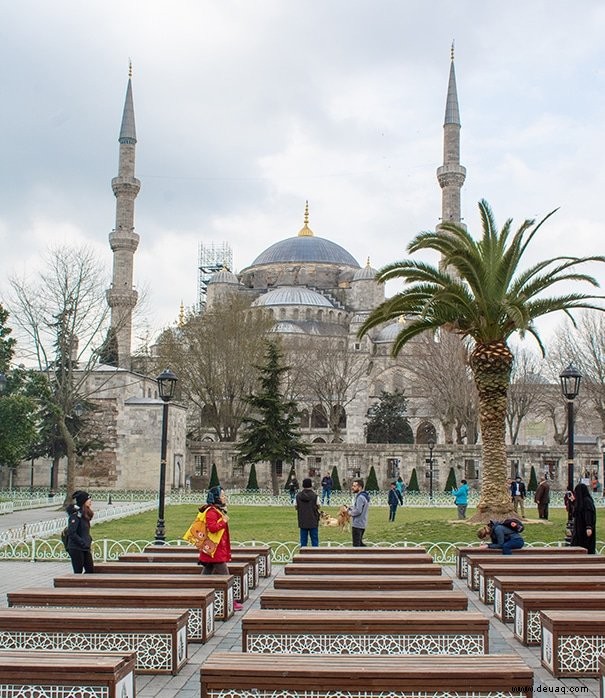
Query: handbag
(199, 535)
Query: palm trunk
(491, 364)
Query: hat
(81, 497)
(214, 495)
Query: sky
(245, 109)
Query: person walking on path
(217, 524)
(359, 513)
(326, 489)
(461, 499)
(400, 484)
(584, 519)
(79, 540)
(518, 492)
(542, 497)
(395, 499)
(307, 511)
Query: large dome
(305, 249)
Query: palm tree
(480, 292)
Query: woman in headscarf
(584, 519)
(79, 541)
(217, 523)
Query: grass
(265, 524)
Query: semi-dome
(389, 333)
(365, 273)
(223, 277)
(305, 247)
(292, 295)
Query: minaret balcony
(126, 186)
(124, 240)
(121, 298)
(451, 175)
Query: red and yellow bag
(204, 540)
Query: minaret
(451, 174)
(122, 297)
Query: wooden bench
(378, 558)
(528, 605)
(263, 550)
(473, 561)
(198, 602)
(361, 567)
(158, 636)
(487, 572)
(222, 585)
(461, 553)
(505, 587)
(370, 632)
(364, 600)
(295, 675)
(572, 642)
(239, 570)
(46, 673)
(187, 557)
(320, 551)
(361, 581)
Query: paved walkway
(228, 635)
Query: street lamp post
(431, 445)
(570, 386)
(166, 388)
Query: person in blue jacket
(394, 500)
(461, 499)
(502, 537)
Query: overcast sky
(247, 108)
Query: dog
(342, 520)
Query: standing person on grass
(217, 522)
(461, 499)
(307, 511)
(395, 500)
(584, 519)
(359, 513)
(79, 541)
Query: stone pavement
(228, 635)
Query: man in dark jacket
(307, 510)
(518, 492)
(79, 541)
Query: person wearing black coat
(79, 540)
(307, 510)
(584, 519)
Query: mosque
(316, 294)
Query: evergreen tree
(533, 480)
(252, 481)
(413, 484)
(271, 433)
(451, 481)
(388, 423)
(108, 352)
(336, 486)
(214, 481)
(7, 344)
(372, 481)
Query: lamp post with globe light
(166, 388)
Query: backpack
(514, 525)
(65, 537)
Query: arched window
(319, 440)
(339, 416)
(319, 419)
(426, 432)
(206, 415)
(303, 419)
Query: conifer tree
(413, 484)
(336, 486)
(271, 433)
(532, 486)
(372, 481)
(214, 481)
(252, 481)
(451, 481)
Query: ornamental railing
(51, 549)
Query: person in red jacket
(217, 522)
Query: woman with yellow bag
(215, 557)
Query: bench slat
(366, 567)
(365, 600)
(362, 582)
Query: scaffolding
(212, 257)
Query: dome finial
(368, 263)
(181, 315)
(129, 68)
(452, 50)
(305, 231)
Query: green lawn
(265, 524)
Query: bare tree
(62, 317)
(440, 366)
(214, 354)
(333, 379)
(524, 392)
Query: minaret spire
(122, 297)
(451, 174)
